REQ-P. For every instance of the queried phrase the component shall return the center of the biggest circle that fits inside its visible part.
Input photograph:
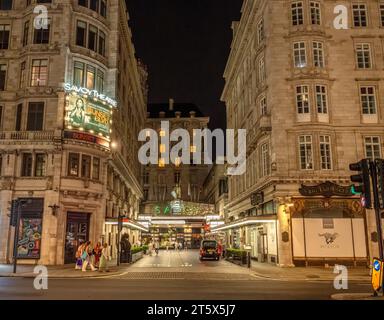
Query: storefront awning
(243, 222)
(127, 223)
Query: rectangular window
(91, 77)
(83, 3)
(78, 74)
(100, 81)
(6, 4)
(263, 106)
(359, 15)
(39, 74)
(299, 54)
(85, 166)
(265, 160)
(302, 99)
(40, 165)
(325, 153)
(19, 112)
(363, 55)
(297, 13)
(23, 74)
(318, 54)
(41, 36)
(315, 13)
(260, 31)
(382, 14)
(102, 43)
(35, 116)
(372, 148)
(103, 8)
(81, 33)
(92, 38)
(4, 36)
(261, 70)
(26, 33)
(321, 99)
(26, 166)
(94, 5)
(368, 99)
(95, 168)
(3, 76)
(73, 164)
(305, 146)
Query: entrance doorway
(77, 232)
(262, 245)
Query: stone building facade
(311, 99)
(72, 101)
(175, 189)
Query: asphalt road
(175, 276)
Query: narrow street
(176, 275)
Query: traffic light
(380, 180)
(363, 178)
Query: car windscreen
(209, 244)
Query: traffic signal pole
(376, 205)
(16, 239)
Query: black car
(209, 249)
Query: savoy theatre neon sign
(91, 93)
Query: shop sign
(257, 198)
(74, 135)
(326, 189)
(91, 93)
(86, 115)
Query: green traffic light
(353, 191)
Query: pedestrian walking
(97, 254)
(150, 248)
(104, 258)
(79, 261)
(87, 257)
(157, 246)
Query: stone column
(284, 241)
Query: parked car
(209, 249)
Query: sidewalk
(64, 271)
(273, 272)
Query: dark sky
(185, 44)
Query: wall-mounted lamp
(54, 209)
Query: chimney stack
(171, 103)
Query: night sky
(185, 44)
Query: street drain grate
(313, 276)
(185, 276)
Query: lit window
(161, 162)
(302, 99)
(300, 55)
(305, 149)
(325, 153)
